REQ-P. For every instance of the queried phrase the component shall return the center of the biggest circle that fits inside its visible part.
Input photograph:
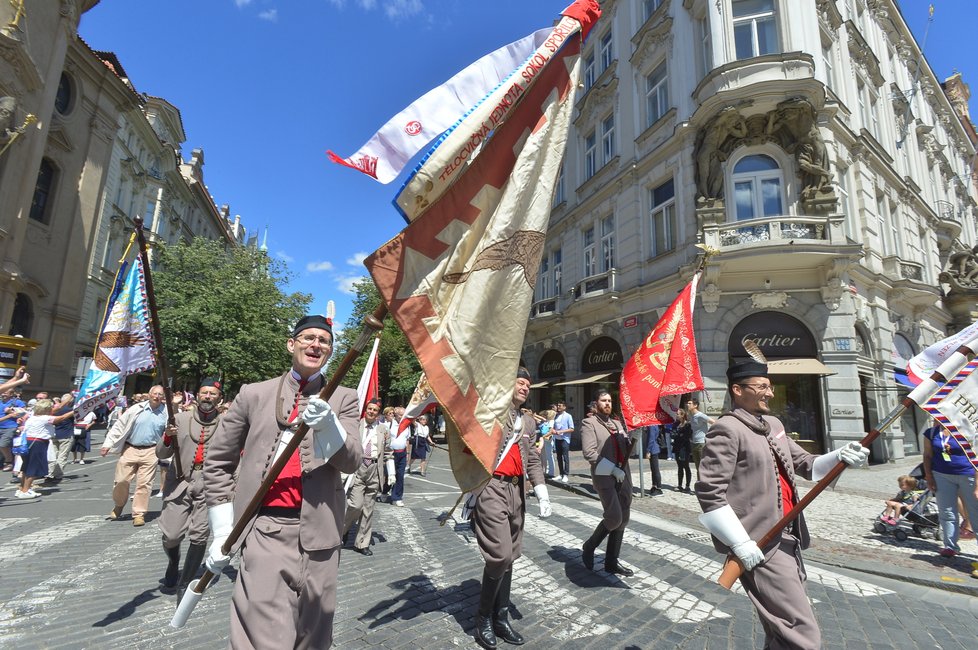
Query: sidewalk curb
(962, 587)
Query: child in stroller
(902, 502)
(921, 517)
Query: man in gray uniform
(184, 511)
(746, 484)
(376, 468)
(290, 550)
(497, 519)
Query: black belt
(279, 511)
(129, 444)
(515, 480)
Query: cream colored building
(99, 154)
(797, 140)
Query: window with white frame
(649, 7)
(758, 187)
(656, 94)
(607, 139)
(842, 177)
(590, 253)
(559, 187)
(607, 53)
(911, 236)
(827, 62)
(706, 45)
(663, 225)
(590, 155)
(755, 28)
(882, 227)
(543, 283)
(590, 72)
(607, 244)
(555, 262)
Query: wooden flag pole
(372, 324)
(732, 567)
(161, 367)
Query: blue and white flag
(125, 345)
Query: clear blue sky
(265, 87)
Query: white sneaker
(158, 494)
(33, 493)
(563, 479)
(399, 504)
(26, 495)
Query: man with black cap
(376, 469)
(746, 484)
(184, 511)
(290, 550)
(498, 514)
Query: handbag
(23, 447)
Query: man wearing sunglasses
(746, 484)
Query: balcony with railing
(596, 285)
(900, 269)
(544, 308)
(778, 230)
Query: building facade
(811, 146)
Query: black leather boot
(500, 618)
(195, 556)
(614, 548)
(587, 551)
(484, 634)
(173, 568)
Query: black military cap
(745, 369)
(311, 321)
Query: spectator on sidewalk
(11, 408)
(376, 469)
(399, 452)
(563, 428)
(81, 442)
(682, 450)
(63, 438)
(39, 431)
(420, 444)
(545, 433)
(949, 474)
(700, 424)
(653, 435)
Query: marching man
(290, 550)
(746, 484)
(376, 468)
(497, 519)
(184, 511)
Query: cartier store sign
(778, 335)
(602, 354)
(551, 365)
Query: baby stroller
(922, 518)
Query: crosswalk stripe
(819, 575)
(550, 601)
(37, 541)
(13, 521)
(676, 604)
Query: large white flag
(922, 365)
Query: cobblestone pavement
(70, 579)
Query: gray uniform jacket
(188, 437)
(596, 443)
(738, 468)
(382, 443)
(249, 434)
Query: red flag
(369, 387)
(422, 401)
(664, 364)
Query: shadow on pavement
(129, 608)
(577, 573)
(419, 596)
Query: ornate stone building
(798, 140)
(81, 153)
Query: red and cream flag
(422, 401)
(665, 364)
(459, 279)
(369, 386)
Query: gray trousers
(285, 596)
(777, 589)
(360, 503)
(62, 447)
(616, 500)
(184, 511)
(498, 524)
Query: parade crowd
(213, 457)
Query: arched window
(758, 187)
(43, 189)
(23, 317)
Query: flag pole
(161, 367)
(371, 325)
(732, 567)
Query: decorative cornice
(14, 52)
(598, 100)
(829, 16)
(648, 40)
(862, 54)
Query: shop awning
(539, 384)
(798, 367)
(587, 379)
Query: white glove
(221, 519)
(543, 498)
(853, 454)
(389, 466)
(619, 474)
(724, 524)
(328, 435)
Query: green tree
(224, 312)
(398, 366)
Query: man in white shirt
(563, 428)
(376, 468)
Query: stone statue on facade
(962, 271)
(8, 110)
(793, 123)
(713, 146)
